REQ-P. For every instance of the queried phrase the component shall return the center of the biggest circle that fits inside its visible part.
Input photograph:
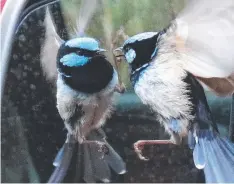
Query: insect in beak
(119, 49)
(118, 52)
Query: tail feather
(218, 161)
(228, 145)
(218, 154)
(209, 171)
(111, 159)
(115, 161)
(62, 161)
(96, 165)
(199, 156)
(191, 140)
(59, 156)
(88, 166)
(101, 169)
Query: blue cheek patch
(83, 43)
(74, 60)
(130, 55)
(154, 53)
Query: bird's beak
(101, 51)
(119, 49)
(118, 52)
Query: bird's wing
(206, 29)
(49, 49)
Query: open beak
(119, 49)
(101, 51)
(118, 52)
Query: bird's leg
(81, 138)
(173, 129)
(139, 146)
(102, 147)
(84, 130)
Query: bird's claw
(102, 148)
(138, 147)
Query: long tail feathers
(96, 166)
(88, 166)
(215, 155)
(96, 169)
(62, 161)
(59, 156)
(115, 161)
(101, 166)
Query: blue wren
(159, 77)
(86, 86)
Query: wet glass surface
(33, 132)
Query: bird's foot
(102, 147)
(139, 146)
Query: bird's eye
(78, 52)
(130, 55)
(127, 49)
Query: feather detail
(100, 168)
(220, 161)
(157, 89)
(216, 155)
(50, 49)
(62, 161)
(199, 156)
(88, 167)
(97, 165)
(111, 159)
(205, 31)
(59, 156)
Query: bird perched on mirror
(165, 68)
(86, 86)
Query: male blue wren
(161, 65)
(86, 86)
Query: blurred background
(32, 130)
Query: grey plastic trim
(8, 20)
